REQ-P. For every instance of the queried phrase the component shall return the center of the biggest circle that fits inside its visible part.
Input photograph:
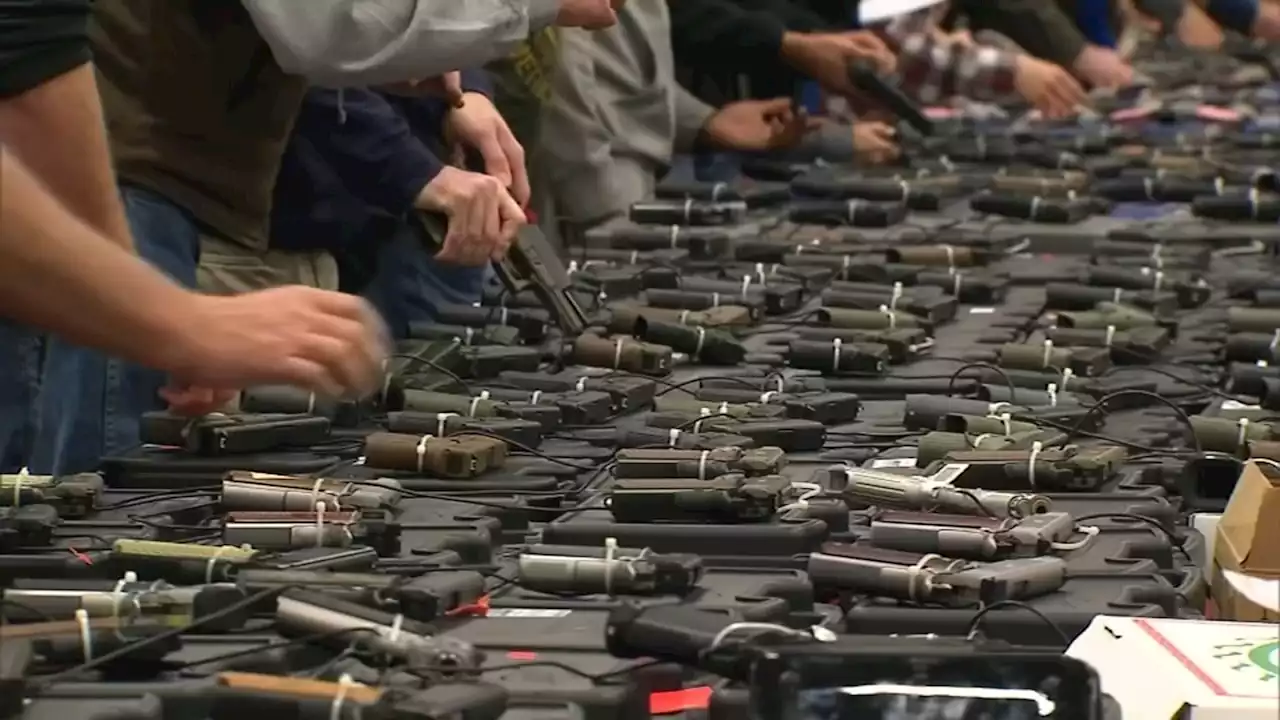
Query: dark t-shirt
(40, 40)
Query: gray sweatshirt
(616, 115)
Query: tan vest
(197, 109)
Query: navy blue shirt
(355, 164)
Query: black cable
(1174, 540)
(951, 382)
(1173, 376)
(976, 622)
(208, 491)
(439, 368)
(1100, 407)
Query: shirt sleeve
(933, 70)
(1039, 26)
(691, 116)
(374, 42)
(40, 40)
(370, 145)
(477, 81)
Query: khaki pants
(228, 268)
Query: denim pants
(90, 404)
(409, 284)
(20, 351)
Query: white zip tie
(1090, 532)
(1048, 354)
(723, 409)
(1116, 295)
(766, 396)
(86, 634)
(891, 316)
(421, 450)
(1275, 343)
(315, 490)
(919, 572)
(1067, 374)
(1053, 394)
(1035, 208)
(684, 317)
(811, 491)
(1110, 336)
(503, 316)
(672, 436)
(957, 280)
(213, 561)
(635, 256)
(340, 697)
(442, 423)
(851, 210)
(1006, 419)
(1243, 433)
(610, 558)
(1219, 186)
(782, 383)
(536, 397)
(581, 385)
(1253, 204)
(475, 402)
(319, 524)
(703, 414)
(572, 268)
(993, 409)
(1036, 447)
(675, 236)
(906, 190)
(978, 440)
(702, 464)
(1148, 189)
(702, 338)
(845, 261)
(311, 403)
(17, 486)
(716, 190)
(895, 296)
(715, 299)
(688, 210)
(761, 274)
(951, 256)
(835, 353)
(397, 625)
(746, 285)
(1157, 282)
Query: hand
(479, 125)
(483, 217)
(963, 38)
(193, 401)
(825, 57)
(1048, 87)
(757, 125)
(327, 342)
(447, 86)
(875, 142)
(589, 14)
(1102, 67)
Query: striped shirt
(934, 70)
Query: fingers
(519, 184)
(512, 218)
(195, 401)
(476, 249)
(451, 83)
(496, 162)
(777, 107)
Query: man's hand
(825, 57)
(1102, 68)
(483, 217)
(875, 142)
(589, 14)
(757, 125)
(1048, 87)
(327, 342)
(447, 87)
(479, 125)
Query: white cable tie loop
(581, 385)
(906, 190)
(702, 464)
(213, 561)
(1219, 186)
(835, 353)
(782, 383)
(766, 396)
(845, 261)
(17, 487)
(1053, 394)
(672, 436)
(810, 491)
(1089, 531)
(421, 451)
(979, 439)
(311, 403)
(703, 414)
(315, 490)
(1116, 294)
(86, 634)
(675, 237)
(918, 574)
(442, 423)
(851, 210)
(1067, 374)
(684, 317)
(1148, 189)
(702, 339)
(503, 316)
(890, 316)
(994, 410)
(688, 210)
(895, 296)
(760, 273)
(475, 402)
(340, 697)
(535, 397)
(1048, 354)
(951, 255)
(1242, 435)
(572, 267)
(746, 285)
(715, 299)
(1157, 281)
(723, 409)
(610, 559)
(956, 280)
(469, 336)
(319, 524)
(1253, 203)
(716, 190)
(1035, 209)
(1036, 447)
(1110, 337)
(617, 353)
(397, 625)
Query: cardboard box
(1246, 550)
(1161, 669)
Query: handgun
(291, 400)
(1072, 468)
(628, 392)
(73, 496)
(644, 437)
(317, 528)
(687, 212)
(27, 527)
(527, 432)
(826, 408)
(969, 537)
(530, 264)
(466, 335)
(418, 598)
(1058, 185)
(219, 434)
(923, 307)
(624, 317)
(838, 356)
(932, 579)
(1215, 434)
(572, 408)
(1085, 361)
(1081, 299)
(621, 353)
(646, 463)
(1127, 346)
(863, 76)
(790, 435)
(71, 642)
(341, 624)
(242, 490)
(459, 457)
(180, 563)
(932, 493)
(609, 571)
(685, 409)
(728, 499)
(713, 347)
(778, 298)
(127, 598)
(904, 345)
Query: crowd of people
(201, 195)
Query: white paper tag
(532, 613)
(1237, 405)
(982, 311)
(949, 473)
(906, 462)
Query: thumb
(452, 84)
(776, 106)
(882, 130)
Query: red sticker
(677, 701)
(522, 655)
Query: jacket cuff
(407, 174)
(477, 81)
(542, 14)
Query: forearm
(56, 128)
(59, 274)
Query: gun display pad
(872, 401)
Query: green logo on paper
(1252, 656)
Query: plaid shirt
(934, 70)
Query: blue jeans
(409, 284)
(91, 404)
(20, 351)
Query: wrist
(438, 195)
(172, 329)
(792, 47)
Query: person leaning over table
(350, 183)
(617, 117)
(59, 273)
(199, 97)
